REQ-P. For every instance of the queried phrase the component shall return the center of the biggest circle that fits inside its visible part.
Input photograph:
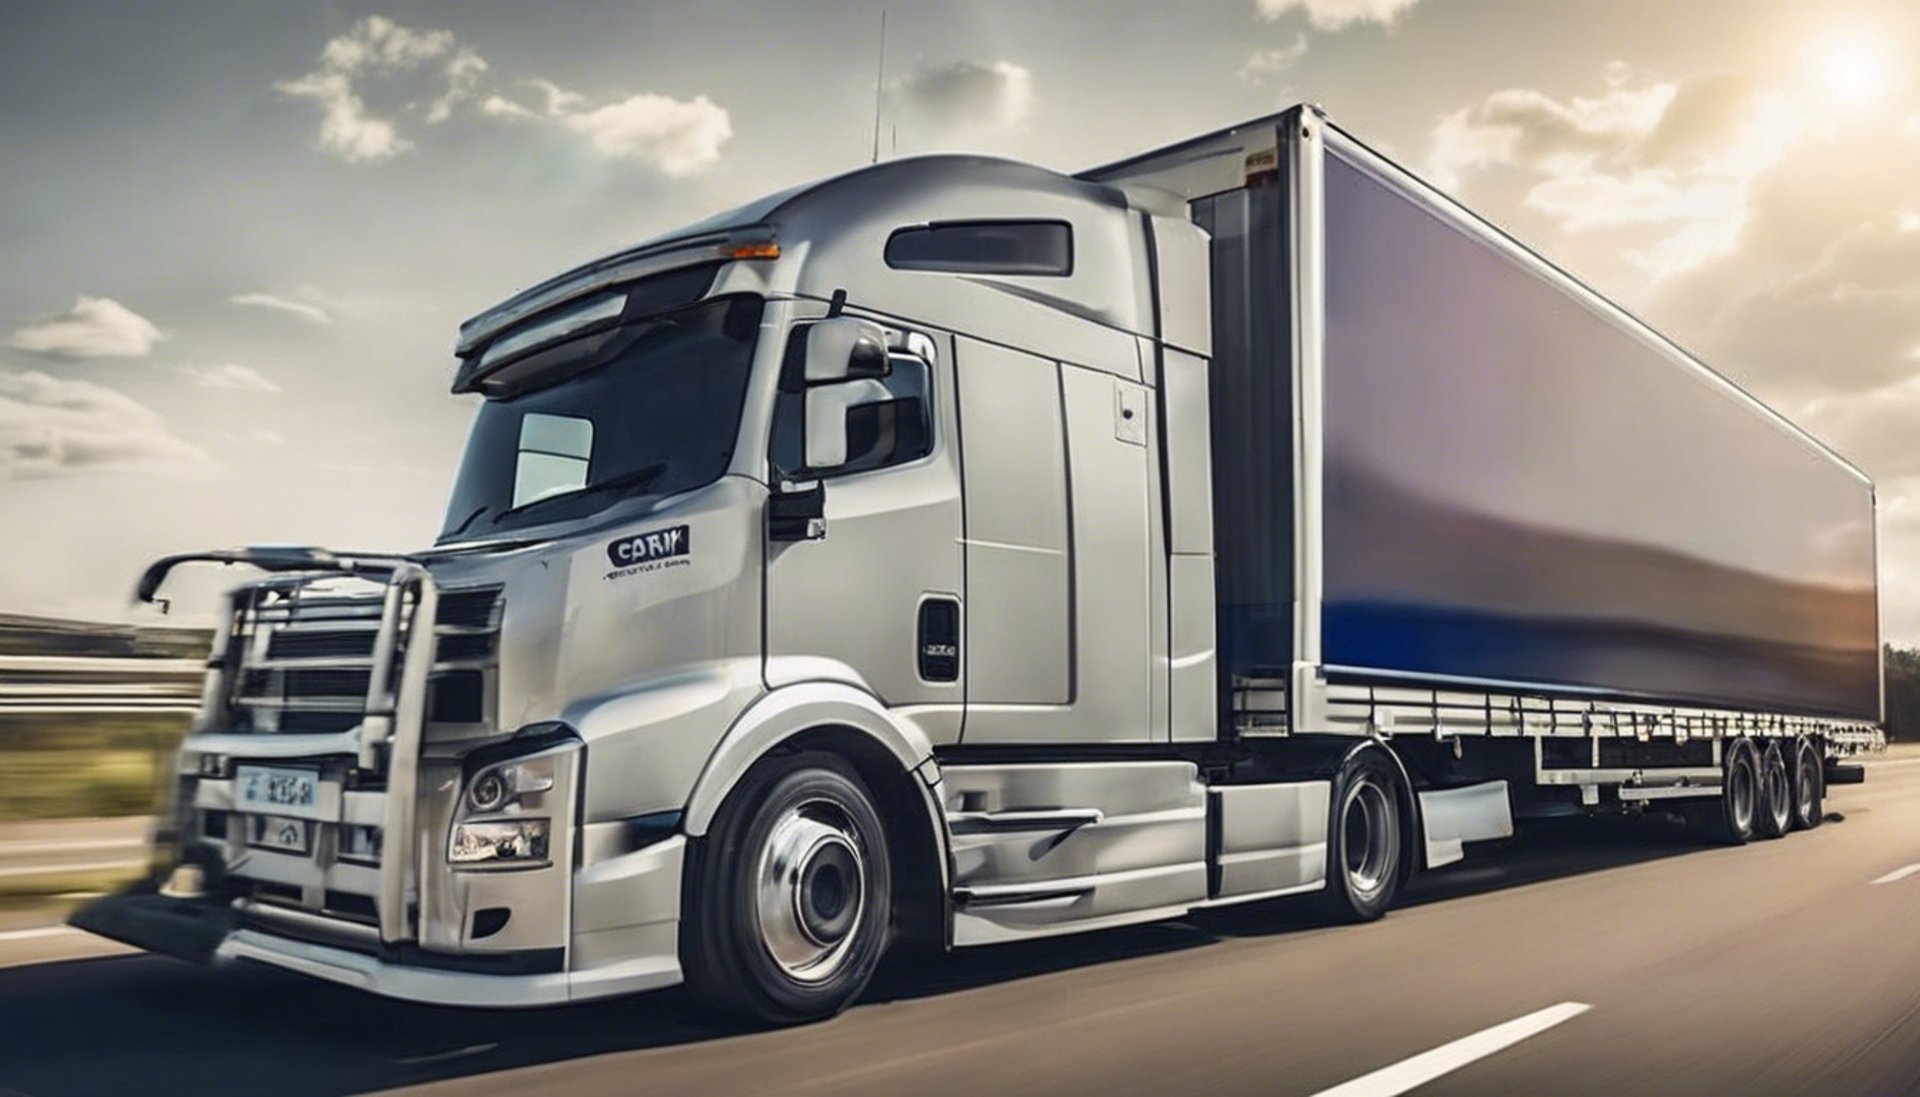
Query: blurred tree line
(1903, 693)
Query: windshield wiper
(635, 479)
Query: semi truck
(956, 551)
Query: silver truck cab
(715, 512)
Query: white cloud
(1335, 14)
(965, 95)
(499, 106)
(679, 137)
(51, 426)
(95, 327)
(309, 312)
(377, 46)
(379, 42)
(1264, 65)
(463, 78)
(676, 136)
(1679, 157)
(346, 129)
(229, 376)
(1519, 126)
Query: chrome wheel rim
(1369, 840)
(1740, 794)
(811, 890)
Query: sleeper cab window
(1042, 248)
(894, 428)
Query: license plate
(277, 790)
(279, 832)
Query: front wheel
(1364, 833)
(789, 897)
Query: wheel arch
(1413, 836)
(893, 759)
(1323, 756)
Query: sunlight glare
(1850, 69)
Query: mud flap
(1455, 816)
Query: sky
(236, 239)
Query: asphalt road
(1779, 968)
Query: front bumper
(632, 946)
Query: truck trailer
(956, 551)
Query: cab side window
(887, 431)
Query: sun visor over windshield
(521, 349)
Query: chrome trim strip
(301, 921)
(979, 822)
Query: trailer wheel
(1776, 794)
(1808, 782)
(1364, 833)
(788, 902)
(1729, 818)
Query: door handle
(938, 639)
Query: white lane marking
(1426, 1066)
(37, 932)
(443, 1056)
(16, 849)
(1898, 875)
(55, 870)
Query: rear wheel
(1364, 834)
(1776, 794)
(1729, 819)
(1808, 781)
(788, 897)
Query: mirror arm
(798, 513)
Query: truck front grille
(304, 655)
(320, 645)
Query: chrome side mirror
(843, 348)
(844, 356)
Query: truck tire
(1775, 816)
(788, 899)
(1364, 835)
(1809, 785)
(1728, 819)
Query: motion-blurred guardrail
(40, 684)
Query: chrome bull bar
(395, 709)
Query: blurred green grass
(74, 765)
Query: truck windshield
(653, 410)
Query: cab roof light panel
(1032, 248)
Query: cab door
(878, 601)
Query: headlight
(498, 786)
(504, 818)
(499, 842)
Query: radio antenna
(879, 85)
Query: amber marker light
(765, 249)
